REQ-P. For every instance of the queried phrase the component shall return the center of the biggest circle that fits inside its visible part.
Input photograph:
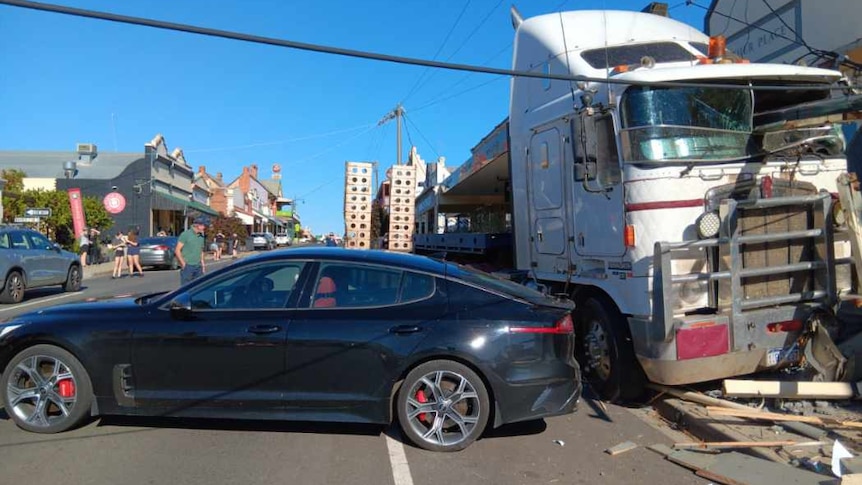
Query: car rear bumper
(155, 258)
(539, 397)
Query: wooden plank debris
(734, 468)
(621, 448)
(767, 416)
(789, 389)
(697, 397)
(714, 445)
(661, 448)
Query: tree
(227, 226)
(58, 225)
(13, 206)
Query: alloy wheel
(443, 408)
(42, 391)
(15, 287)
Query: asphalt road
(135, 451)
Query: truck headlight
(708, 225)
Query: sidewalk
(104, 269)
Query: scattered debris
(767, 416)
(697, 397)
(621, 448)
(736, 468)
(839, 452)
(560, 442)
(714, 445)
(790, 389)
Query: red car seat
(325, 296)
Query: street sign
(27, 219)
(40, 212)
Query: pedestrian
(219, 240)
(134, 255)
(93, 255)
(119, 246)
(84, 246)
(190, 251)
(330, 240)
(233, 243)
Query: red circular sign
(114, 203)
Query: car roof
(390, 258)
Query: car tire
(73, 279)
(59, 401)
(433, 389)
(605, 351)
(13, 288)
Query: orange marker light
(717, 46)
(629, 236)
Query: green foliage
(227, 226)
(13, 206)
(59, 225)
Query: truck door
(546, 199)
(598, 191)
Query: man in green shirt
(190, 251)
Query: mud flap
(823, 355)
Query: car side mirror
(181, 307)
(56, 247)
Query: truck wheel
(605, 350)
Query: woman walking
(120, 243)
(84, 246)
(134, 254)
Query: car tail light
(562, 327)
(161, 248)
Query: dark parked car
(29, 260)
(313, 334)
(159, 252)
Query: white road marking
(35, 302)
(398, 461)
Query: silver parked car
(29, 260)
(263, 240)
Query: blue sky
(227, 104)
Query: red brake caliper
(420, 396)
(66, 388)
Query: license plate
(775, 356)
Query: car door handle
(262, 329)
(405, 329)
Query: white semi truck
(674, 194)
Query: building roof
(44, 164)
(273, 186)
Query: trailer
(683, 197)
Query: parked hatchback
(263, 240)
(29, 260)
(282, 239)
(159, 252)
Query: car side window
(38, 241)
(19, 240)
(4, 241)
(416, 286)
(261, 287)
(342, 285)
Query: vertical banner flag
(77, 207)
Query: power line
(464, 42)
(430, 145)
(439, 49)
(459, 93)
(467, 76)
(256, 39)
(281, 142)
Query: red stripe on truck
(663, 204)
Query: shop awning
(195, 205)
(245, 218)
(168, 202)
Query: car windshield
(689, 124)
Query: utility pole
(396, 113)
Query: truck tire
(604, 349)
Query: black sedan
(312, 334)
(159, 252)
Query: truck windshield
(690, 124)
